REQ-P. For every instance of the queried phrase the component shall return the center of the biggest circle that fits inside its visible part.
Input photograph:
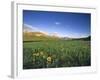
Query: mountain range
(33, 34)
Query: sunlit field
(56, 39)
(56, 53)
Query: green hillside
(37, 36)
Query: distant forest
(86, 39)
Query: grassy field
(56, 53)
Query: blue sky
(64, 24)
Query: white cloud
(76, 35)
(57, 23)
(29, 28)
(54, 34)
(72, 35)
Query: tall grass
(52, 54)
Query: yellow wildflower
(37, 54)
(49, 59)
(34, 54)
(41, 53)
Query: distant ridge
(32, 33)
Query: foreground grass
(51, 54)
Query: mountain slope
(37, 36)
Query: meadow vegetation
(56, 53)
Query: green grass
(56, 53)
